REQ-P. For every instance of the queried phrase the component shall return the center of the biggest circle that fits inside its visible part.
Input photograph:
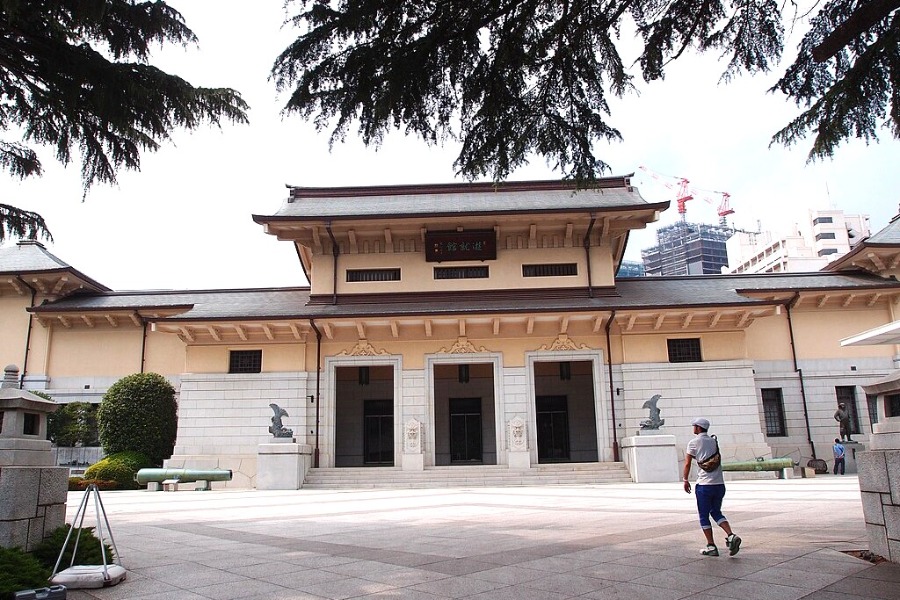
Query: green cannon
(766, 464)
(172, 477)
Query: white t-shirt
(701, 448)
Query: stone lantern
(32, 489)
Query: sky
(184, 221)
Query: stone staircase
(466, 476)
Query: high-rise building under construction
(687, 249)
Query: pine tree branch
(862, 19)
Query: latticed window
(846, 395)
(460, 272)
(245, 361)
(684, 350)
(773, 412)
(368, 275)
(553, 270)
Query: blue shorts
(709, 504)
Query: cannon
(767, 464)
(172, 477)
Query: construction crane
(684, 192)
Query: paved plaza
(629, 541)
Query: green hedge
(20, 571)
(89, 552)
(120, 468)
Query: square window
(773, 412)
(684, 350)
(245, 361)
(30, 424)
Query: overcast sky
(184, 221)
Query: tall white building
(827, 235)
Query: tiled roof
(633, 293)
(31, 257)
(889, 235)
(457, 199)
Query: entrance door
(552, 428)
(465, 430)
(378, 432)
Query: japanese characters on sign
(477, 244)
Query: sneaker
(733, 542)
(710, 550)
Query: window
(684, 350)
(827, 251)
(872, 403)
(892, 405)
(245, 361)
(773, 412)
(460, 272)
(823, 220)
(30, 426)
(553, 270)
(846, 395)
(367, 275)
(825, 236)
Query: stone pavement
(519, 543)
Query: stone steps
(466, 476)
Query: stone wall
(32, 504)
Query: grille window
(554, 270)
(684, 350)
(245, 361)
(368, 275)
(460, 272)
(773, 411)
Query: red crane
(684, 192)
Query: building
(687, 249)
(825, 236)
(482, 322)
(631, 268)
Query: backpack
(713, 462)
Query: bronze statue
(842, 416)
(277, 429)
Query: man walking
(838, 450)
(710, 487)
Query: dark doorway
(552, 428)
(378, 432)
(465, 430)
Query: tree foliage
(73, 424)
(75, 76)
(511, 78)
(139, 414)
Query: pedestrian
(838, 450)
(710, 487)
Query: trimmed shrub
(120, 468)
(79, 484)
(89, 552)
(139, 413)
(20, 571)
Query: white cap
(701, 422)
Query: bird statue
(277, 429)
(654, 422)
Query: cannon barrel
(769, 464)
(182, 475)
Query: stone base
(651, 458)
(282, 466)
(519, 459)
(413, 462)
